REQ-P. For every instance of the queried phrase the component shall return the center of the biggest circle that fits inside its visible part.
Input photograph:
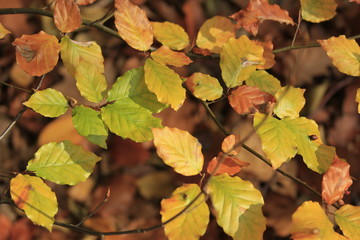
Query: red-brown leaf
(37, 54)
(229, 165)
(256, 12)
(67, 16)
(248, 99)
(336, 181)
(228, 144)
(84, 2)
(267, 55)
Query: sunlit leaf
(268, 54)
(238, 59)
(3, 31)
(228, 144)
(84, 2)
(290, 101)
(231, 197)
(336, 181)
(129, 120)
(170, 35)
(256, 12)
(37, 200)
(165, 83)
(214, 32)
(348, 218)
(191, 224)
(252, 224)
(278, 142)
(311, 222)
(132, 85)
(264, 81)
(229, 164)
(204, 86)
(67, 16)
(133, 25)
(89, 124)
(48, 102)
(357, 99)
(166, 56)
(247, 99)
(179, 149)
(325, 155)
(63, 163)
(318, 10)
(37, 54)
(344, 54)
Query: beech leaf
(268, 54)
(33, 196)
(256, 12)
(84, 2)
(231, 197)
(179, 149)
(204, 86)
(290, 101)
(171, 35)
(192, 223)
(247, 99)
(252, 224)
(133, 25)
(37, 54)
(214, 33)
(318, 10)
(344, 54)
(63, 163)
(166, 56)
(348, 218)
(48, 102)
(336, 181)
(67, 16)
(3, 31)
(264, 81)
(228, 144)
(229, 164)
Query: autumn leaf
(264, 81)
(214, 33)
(67, 16)
(289, 102)
(84, 2)
(165, 83)
(37, 54)
(256, 12)
(204, 86)
(348, 218)
(3, 31)
(231, 197)
(238, 59)
(228, 144)
(171, 35)
(336, 181)
(268, 54)
(133, 25)
(229, 164)
(179, 149)
(344, 54)
(318, 10)
(192, 223)
(166, 56)
(37, 200)
(252, 224)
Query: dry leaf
(229, 165)
(67, 16)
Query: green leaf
(348, 218)
(204, 86)
(132, 85)
(264, 81)
(89, 124)
(231, 197)
(63, 163)
(37, 200)
(290, 101)
(239, 58)
(192, 223)
(252, 224)
(165, 83)
(129, 120)
(278, 142)
(48, 102)
(170, 35)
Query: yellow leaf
(204, 86)
(252, 224)
(3, 31)
(192, 223)
(348, 218)
(318, 10)
(166, 56)
(214, 33)
(133, 25)
(165, 83)
(290, 101)
(37, 200)
(358, 99)
(170, 35)
(179, 149)
(344, 54)
(238, 59)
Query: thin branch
(16, 87)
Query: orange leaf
(267, 55)
(229, 143)
(84, 2)
(229, 165)
(248, 99)
(133, 25)
(166, 56)
(256, 12)
(67, 16)
(37, 54)
(336, 181)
